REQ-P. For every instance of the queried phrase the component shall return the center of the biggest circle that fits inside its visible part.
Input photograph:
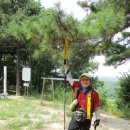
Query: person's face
(85, 81)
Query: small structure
(52, 84)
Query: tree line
(33, 35)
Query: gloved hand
(73, 104)
(66, 61)
(97, 122)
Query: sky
(71, 7)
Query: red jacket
(82, 103)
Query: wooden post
(43, 88)
(24, 90)
(53, 91)
(30, 64)
(27, 91)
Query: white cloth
(97, 113)
(69, 76)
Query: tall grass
(112, 108)
(21, 113)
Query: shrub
(123, 94)
(103, 97)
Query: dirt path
(113, 123)
(48, 115)
(107, 122)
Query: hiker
(82, 109)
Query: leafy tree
(12, 16)
(103, 98)
(108, 18)
(37, 34)
(21, 24)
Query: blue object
(85, 90)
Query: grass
(33, 114)
(13, 108)
(39, 124)
(111, 108)
(18, 124)
(29, 113)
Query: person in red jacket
(81, 89)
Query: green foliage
(111, 108)
(103, 97)
(59, 94)
(105, 22)
(110, 102)
(18, 114)
(18, 124)
(107, 18)
(123, 94)
(110, 87)
(97, 83)
(40, 34)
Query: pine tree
(108, 18)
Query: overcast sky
(70, 6)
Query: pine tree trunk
(30, 65)
(18, 73)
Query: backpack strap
(78, 91)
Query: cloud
(69, 6)
(110, 70)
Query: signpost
(26, 74)
(5, 80)
(4, 94)
(26, 77)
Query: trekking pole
(65, 58)
(95, 127)
(64, 101)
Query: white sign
(26, 84)
(26, 74)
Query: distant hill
(110, 85)
(108, 79)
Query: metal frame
(52, 82)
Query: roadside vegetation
(26, 113)
(115, 96)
